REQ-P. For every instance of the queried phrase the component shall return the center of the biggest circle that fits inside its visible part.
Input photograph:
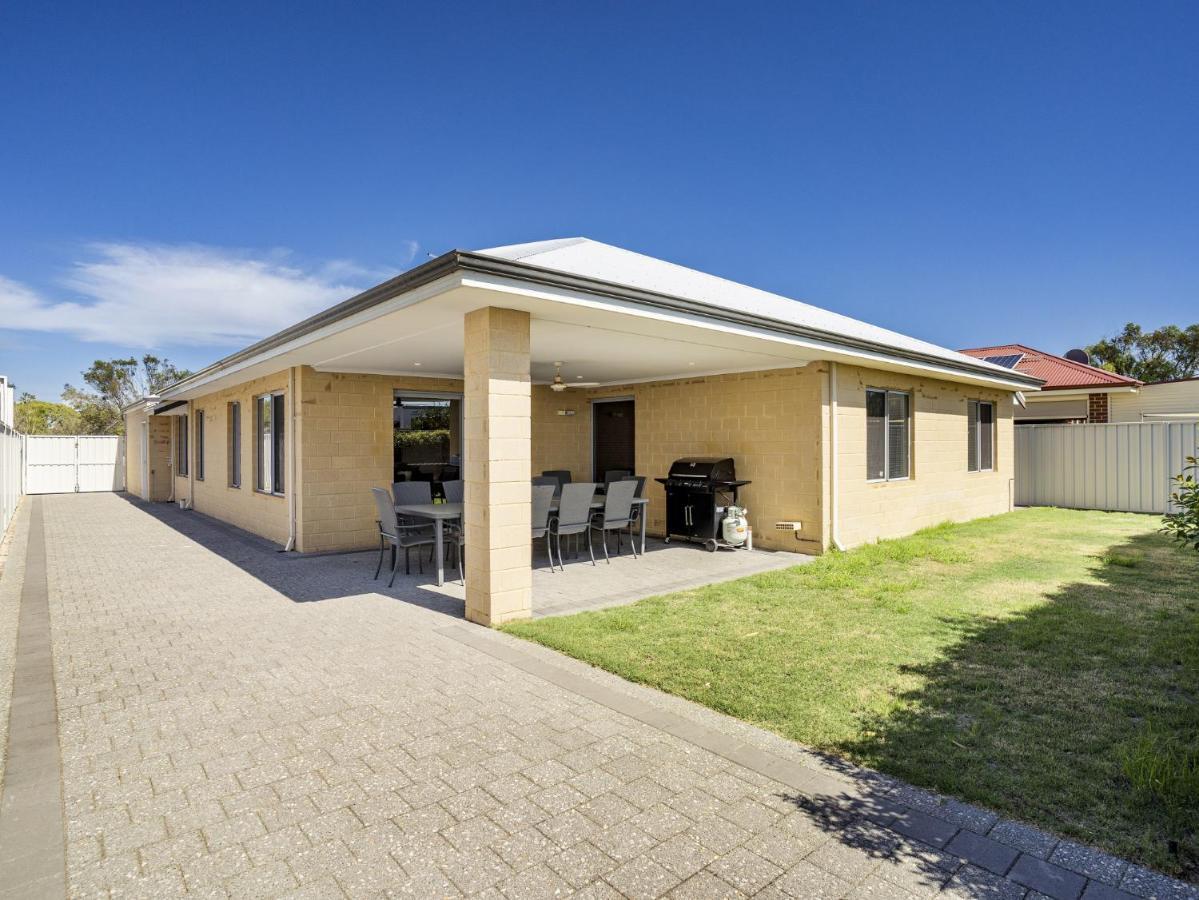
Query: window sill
(263, 493)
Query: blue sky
(185, 177)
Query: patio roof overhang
(602, 332)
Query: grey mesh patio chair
(562, 475)
(612, 475)
(539, 480)
(453, 491)
(640, 479)
(410, 492)
(617, 515)
(574, 516)
(399, 537)
(543, 502)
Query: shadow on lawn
(301, 578)
(1043, 716)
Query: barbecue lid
(705, 468)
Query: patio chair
(543, 501)
(541, 480)
(640, 479)
(412, 492)
(612, 475)
(398, 536)
(453, 491)
(562, 475)
(574, 516)
(616, 515)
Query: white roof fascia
(1072, 393)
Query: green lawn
(1043, 663)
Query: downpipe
(291, 461)
(834, 524)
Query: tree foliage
(1168, 353)
(115, 383)
(34, 416)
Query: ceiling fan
(559, 385)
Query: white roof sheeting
(604, 262)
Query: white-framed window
(181, 433)
(268, 443)
(199, 445)
(980, 440)
(888, 435)
(233, 410)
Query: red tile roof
(1059, 373)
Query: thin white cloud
(161, 295)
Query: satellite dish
(1078, 356)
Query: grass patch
(1044, 663)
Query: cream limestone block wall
(940, 488)
(133, 452)
(258, 512)
(345, 439)
(159, 457)
(497, 459)
(769, 422)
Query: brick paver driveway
(220, 738)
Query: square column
(497, 459)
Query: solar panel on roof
(1008, 362)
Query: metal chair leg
(382, 549)
(395, 558)
(604, 540)
(590, 546)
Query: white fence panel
(11, 474)
(1123, 466)
(73, 463)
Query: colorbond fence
(11, 473)
(1124, 466)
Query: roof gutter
(465, 261)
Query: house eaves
(461, 261)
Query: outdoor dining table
(440, 513)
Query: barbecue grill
(698, 490)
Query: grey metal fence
(1124, 466)
(11, 474)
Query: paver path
(219, 738)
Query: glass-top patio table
(440, 513)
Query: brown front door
(614, 436)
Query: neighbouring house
(573, 354)
(1073, 391)
(1158, 401)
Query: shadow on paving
(300, 578)
(1050, 715)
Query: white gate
(74, 463)
(1123, 466)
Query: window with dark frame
(181, 445)
(199, 445)
(234, 414)
(268, 452)
(888, 435)
(980, 442)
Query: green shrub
(1183, 524)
